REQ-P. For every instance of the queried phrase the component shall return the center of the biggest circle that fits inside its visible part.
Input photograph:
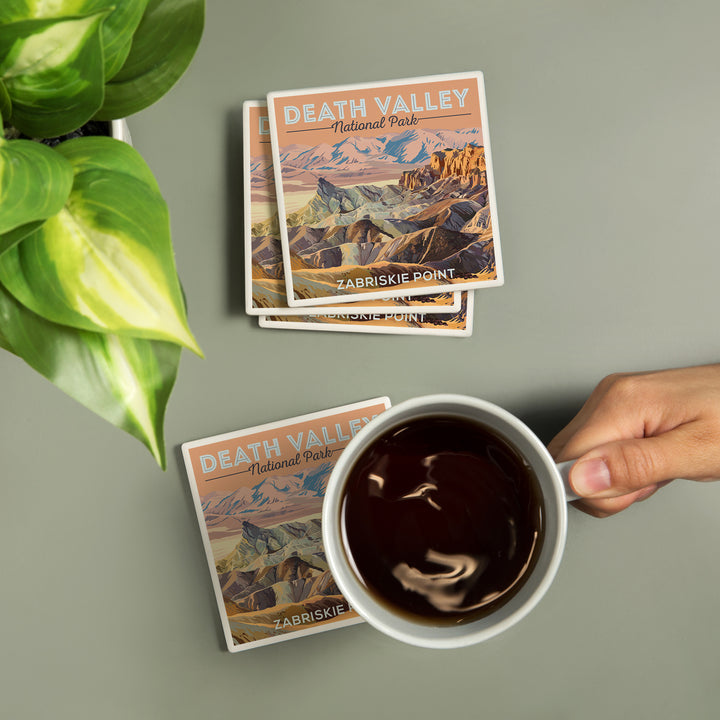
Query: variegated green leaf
(53, 73)
(104, 262)
(117, 30)
(103, 153)
(163, 46)
(125, 380)
(5, 105)
(13, 237)
(4, 342)
(35, 182)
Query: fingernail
(590, 477)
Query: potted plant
(89, 292)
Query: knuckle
(702, 450)
(609, 381)
(706, 436)
(633, 467)
(626, 388)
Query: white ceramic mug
(555, 490)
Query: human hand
(637, 432)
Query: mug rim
(426, 634)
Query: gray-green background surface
(604, 121)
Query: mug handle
(564, 470)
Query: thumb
(625, 466)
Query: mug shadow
(546, 417)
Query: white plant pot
(120, 131)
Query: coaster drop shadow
(235, 213)
(192, 513)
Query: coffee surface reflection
(442, 520)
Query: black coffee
(443, 519)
